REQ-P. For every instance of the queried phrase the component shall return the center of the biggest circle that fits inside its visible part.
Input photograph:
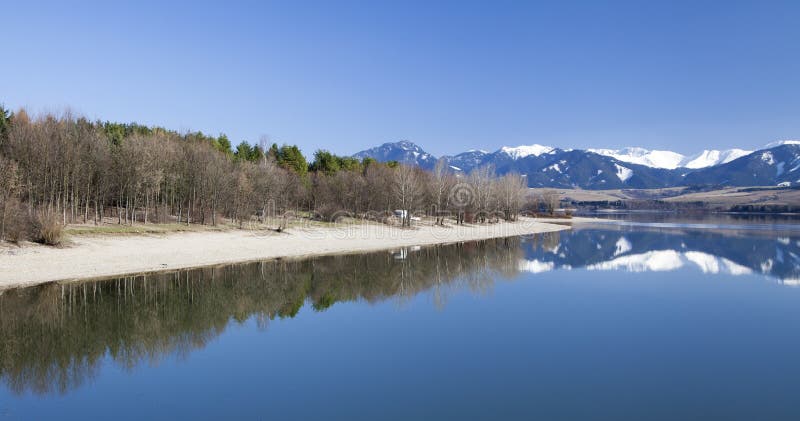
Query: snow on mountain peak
(703, 159)
(782, 142)
(671, 160)
(709, 158)
(407, 145)
(641, 156)
(525, 150)
(653, 158)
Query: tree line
(62, 169)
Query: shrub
(47, 228)
(14, 221)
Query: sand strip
(102, 256)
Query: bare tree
(512, 190)
(441, 184)
(481, 180)
(379, 188)
(551, 200)
(407, 188)
(9, 183)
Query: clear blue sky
(449, 76)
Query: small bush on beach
(47, 229)
(16, 224)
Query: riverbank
(94, 256)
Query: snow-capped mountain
(651, 158)
(779, 165)
(671, 160)
(543, 166)
(546, 166)
(710, 158)
(518, 152)
(782, 142)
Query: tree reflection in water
(56, 336)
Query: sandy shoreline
(101, 256)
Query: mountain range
(777, 164)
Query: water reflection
(639, 250)
(711, 218)
(55, 337)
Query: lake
(608, 321)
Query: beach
(97, 256)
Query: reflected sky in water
(613, 322)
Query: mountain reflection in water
(637, 250)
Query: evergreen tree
(223, 144)
(256, 154)
(291, 158)
(5, 123)
(325, 162)
(244, 152)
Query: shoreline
(101, 256)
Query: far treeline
(62, 169)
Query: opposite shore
(97, 256)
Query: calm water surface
(605, 321)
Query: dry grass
(47, 229)
(724, 197)
(109, 226)
(744, 196)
